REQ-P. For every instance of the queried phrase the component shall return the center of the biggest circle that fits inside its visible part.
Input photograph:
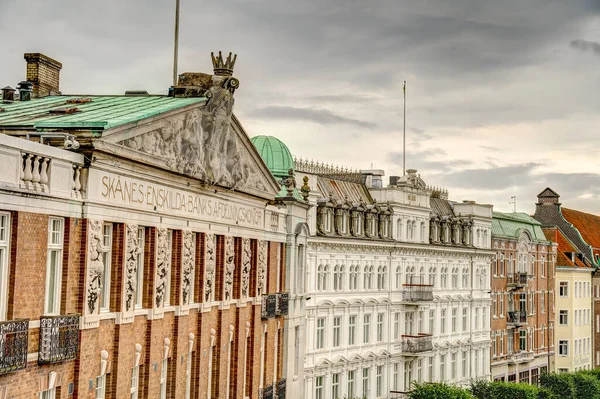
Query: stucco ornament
(163, 265)
(246, 267)
(229, 268)
(95, 264)
(132, 250)
(188, 265)
(210, 262)
(261, 283)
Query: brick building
(142, 251)
(523, 312)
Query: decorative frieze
(188, 266)
(246, 267)
(163, 266)
(210, 264)
(229, 268)
(261, 265)
(95, 265)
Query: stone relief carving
(188, 263)
(95, 264)
(246, 267)
(261, 281)
(163, 265)
(132, 250)
(229, 268)
(210, 262)
(202, 143)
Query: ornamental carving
(261, 281)
(229, 268)
(246, 267)
(132, 251)
(95, 264)
(210, 264)
(188, 264)
(163, 265)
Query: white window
(319, 388)
(365, 382)
(454, 311)
(366, 328)
(351, 330)
(101, 386)
(379, 381)
(430, 369)
(380, 327)
(431, 321)
(563, 347)
(163, 379)
(397, 325)
(4, 250)
(335, 385)
(453, 366)
(464, 319)
(563, 289)
(442, 368)
(48, 394)
(135, 382)
(54, 265)
(320, 333)
(169, 256)
(351, 383)
(476, 321)
(107, 234)
(139, 291)
(443, 321)
(337, 326)
(464, 364)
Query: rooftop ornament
(223, 67)
(8, 95)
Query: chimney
(44, 73)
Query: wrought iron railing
(266, 393)
(417, 292)
(282, 304)
(269, 306)
(281, 388)
(13, 345)
(59, 338)
(516, 317)
(417, 343)
(518, 279)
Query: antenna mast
(176, 51)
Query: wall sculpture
(210, 262)
(163, 265)
(246, 267)
(229, 268)
(132, 250)
(188, 264)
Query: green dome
(275, 154)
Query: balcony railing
(516, 318)
(517, 280)
(266, 393)
(520, 357)
(59, 338)
(281, 388)
(269, 306)
(417, 292)
(416, 343)
(282, 304)
(13, 345)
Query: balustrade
(282, 304)
(417, 292)
(34, 172)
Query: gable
(201, 142)
(548, 192)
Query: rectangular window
(140, 268)
(563, 347)
(397, 325)
(351, 383)
(4, 249)
(379, 381)
(476, 321)
(464, 364)
(464, 319)
(419, 370)
(319, 388)
(365, 382)
(563, 317)
(395, 374)
(563, 289)
(54, 266)
(48, 394)
(320, 333)
(335, 385)
(106, 254)
(543, 302)
(337, 326)
(101, 386)
(380, 327)
(431, 321)
(351, 330)
(163, 379)
(430, 370)
(135, 382)
(443, 321)
(522, 340)
(366, 328)
(453, 366)
(454, 311)
(442, 368)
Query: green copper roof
(103, 112)
(275, 154)
(511, 224)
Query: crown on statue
(223, 67)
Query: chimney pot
(44, 73)
(8, 95)
(25, 90)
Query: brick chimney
(44, 73)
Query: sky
(502, 97)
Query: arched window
(408, 230)
(380, 277)
(444, 277)
(432, 273)
(410, 275)
(482, 283)
(422, 275)
(399, 229)
(353, 282)
(398, 277)
(366, 278)
(337, 277)
(455, 277)
(320, 278)
(477, 278)
(371, 276)
(485, 238)
(465, 277)
(423, 237)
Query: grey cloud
(585, 45)
(498, 178)
(320, 116)
(427, 161)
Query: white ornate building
(398, 286)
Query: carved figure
(132, 250)
(188, 264)
(210, 263)
(163, 265)
(290, 183)
(96, 264)
(229, 268)
(261, 283)
(246, 267)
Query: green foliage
(480, 389)
(544, 393)
(438, 391)
(561, 385)
(586, 385)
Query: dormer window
(344, 222)
(328, 220)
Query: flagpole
(176, 50)
(404, 134)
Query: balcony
(269, 306)
(282, 304)
(412, 293)
(281, 388)
(516, 318)
(414, 344)
(517, 280)
(59, 338)
(520, 357)
(13, 345)
(266, 393)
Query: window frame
(106, 254)
(54, 309)
(5, 230)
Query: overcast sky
(502, 96)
